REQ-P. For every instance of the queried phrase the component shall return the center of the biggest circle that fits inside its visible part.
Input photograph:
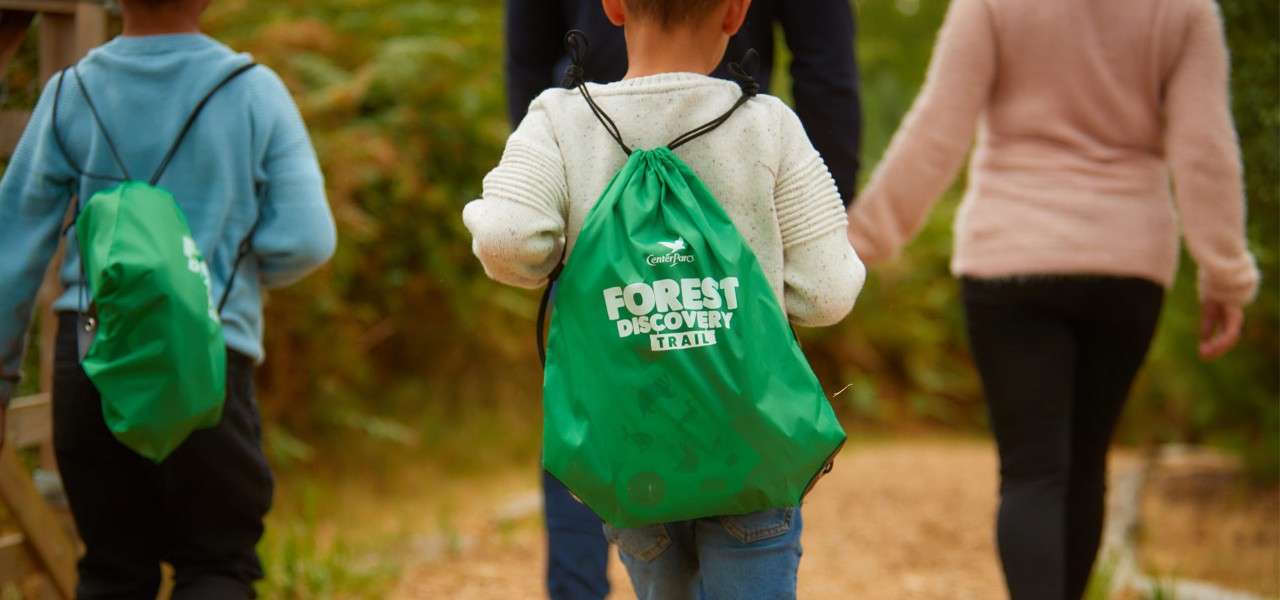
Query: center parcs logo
(673, 255)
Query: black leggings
(1057, 356)
(200, 510)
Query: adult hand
(1220, 325)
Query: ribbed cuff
(1241, 292)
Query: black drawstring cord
(575, 42)
(111, 145)
(191, 120)
(749, 90)
(243, 250)
(57, 139)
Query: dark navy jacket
(818, 32)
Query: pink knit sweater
(1084, 108)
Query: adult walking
(1068, 235)
(818, 33)
(824, 73)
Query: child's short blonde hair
(672, 12)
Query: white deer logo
(675, 246)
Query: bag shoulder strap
(111, 145)
(577, 46)
(243, 250)
(191, 120)
(97, 119)
(749, 90)
(246, 244)
(575, 43)
(57, 134)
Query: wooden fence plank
(29, 421)
(47, 6)
(17, 570)
(46, 536)
(14, 564)
(90, 27)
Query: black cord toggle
(576, 44)
(574, 76)
(742, 70)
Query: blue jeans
(577, 553)
(740, 557)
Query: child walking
(766, 176)
(245, 176)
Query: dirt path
(898, 520)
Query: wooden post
(69, 34)
(43, 530)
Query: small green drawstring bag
(674, 386)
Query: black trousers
(1057, 356)
(200, 510)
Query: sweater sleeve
(518, 225)
(295, 232)
(34, 196)
(821, 272)
(1203, 152)
(929, 148)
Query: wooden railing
(40, 557)
(41, 560)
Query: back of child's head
(672, 13)
(162, 5)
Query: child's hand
(1220, 325)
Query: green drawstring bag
(152, 339)
(674, 386)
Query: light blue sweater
(248, 158)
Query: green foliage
(1162, 589)
(20, 86)
(1102, 582)
(305, 559)
(1232, 401)
(404, 101)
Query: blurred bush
(404, 100)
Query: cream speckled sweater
(1083, 109)
(759, 165)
